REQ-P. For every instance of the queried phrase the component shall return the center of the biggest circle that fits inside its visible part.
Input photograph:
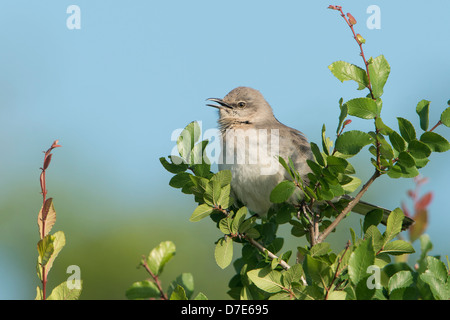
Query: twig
(350, 24)
(47, 159)
(437, 125)
(258, 246)
(337, 273)
(155, 278)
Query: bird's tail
(364, 208)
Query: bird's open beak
(221, 103)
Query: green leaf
(202, 211)
(317, 271)
(180, 180)
(63, 292)
(317, 154)
(393, 225)
(352, 185)
(377, 239)
(172, 167)
(401, 279)
(364, 108)
(320, 249)
(406, 160)
(372, 218)
(58, 242)
(187, 139)
(45, 249)
(437, 268)
(336, 164)
(351, 142)
(397, 141)
(406, 129)
(423, 110)
(383, 128)
(285, 166)
(197, 156)
(266, 279)
(212, 193)
(435, 142)
(399, 171)
(326, 142)
(247, 224)
(379, 70)
(282, 191)
(285, 213)
(238, 219)
(337, 295)
(223, 176)
(362, 290)
(185, 280)
(225, 225)
(39, 294)
(178, 294)
(292, 275)
(200, 296)
(360, 260)
(252, 233)
(142, 290)
(445, 117)
(160, 255)
(419, 150)
(224, 200)
(345, 71)
(223, 252)
(436, 276)
(398, 247)
(316, 169)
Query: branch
(337, 273)
(47, 159)
(350, 22)
(155, 279)
(437, 125)
(349, 207)
(258, 246)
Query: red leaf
(351, 19)
(47, 161)
(423, 203)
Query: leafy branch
(263, 271)
(50, 245)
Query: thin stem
(155, 279)
(366, 64)
(337, 273)
(437, 125)
(47, 159)
(272, 256)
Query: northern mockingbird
(252, 140)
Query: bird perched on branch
(252, 140)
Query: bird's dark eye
(241, 104)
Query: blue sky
(114, 91)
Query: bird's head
(243, 105)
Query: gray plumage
(244, 116)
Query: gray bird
(252, 140)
